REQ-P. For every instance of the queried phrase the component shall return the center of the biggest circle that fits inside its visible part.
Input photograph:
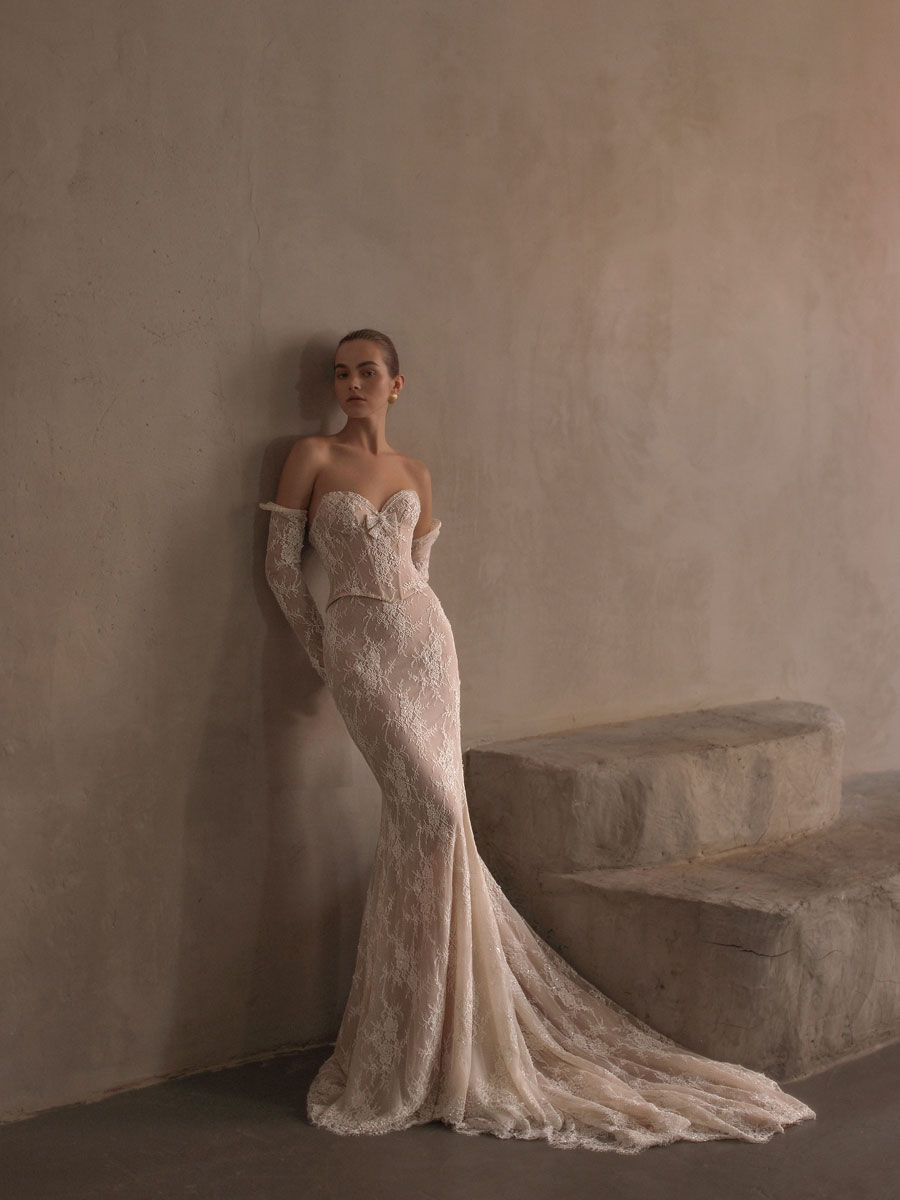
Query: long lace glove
(286, 529)
(421, 548)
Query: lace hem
(569, 1134)
(271, 506)
(428, 538)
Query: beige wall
(641, 263)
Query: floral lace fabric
(458, 1011)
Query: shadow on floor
(242, 1134)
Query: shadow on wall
(279, 821)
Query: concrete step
(663, 788)
(783, 958)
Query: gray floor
(241, 1134)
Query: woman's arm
(422, 477)
(287, 526)
(427, 527)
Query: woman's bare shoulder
(305, 459)
(311, 445)
(419, 471)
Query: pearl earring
(392, 397)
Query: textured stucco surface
(641, 264)
(694, 903)
(657, 789)
(784, 958)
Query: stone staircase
(708, 871)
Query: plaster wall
(641, 264)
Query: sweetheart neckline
(360, 496)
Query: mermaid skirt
(457, 1010)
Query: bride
(458, 1012)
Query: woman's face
(361, 380)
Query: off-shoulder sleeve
(421, 548)
(287, 527)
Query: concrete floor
(241, 1134)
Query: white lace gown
(458, 1011)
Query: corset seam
(402, 595)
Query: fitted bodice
(367, 551)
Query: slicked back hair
(388, 349)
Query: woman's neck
(361, 433)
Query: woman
(457, 1011)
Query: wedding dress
(458, 1011)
